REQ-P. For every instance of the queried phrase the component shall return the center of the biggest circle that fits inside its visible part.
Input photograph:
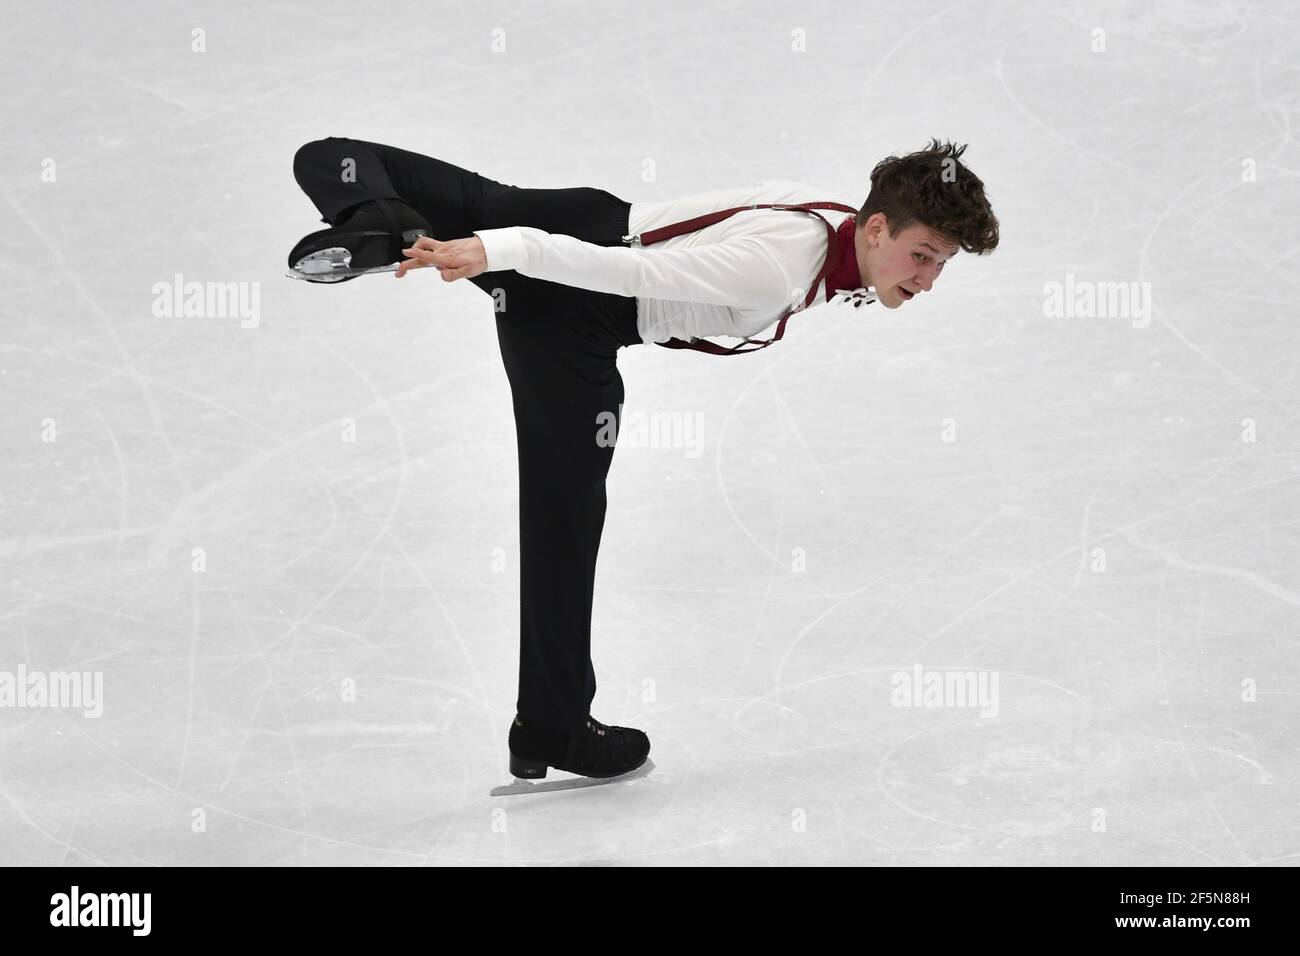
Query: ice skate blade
(571, 783)
(340, 276)
(332, 265)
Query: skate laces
(605, 742)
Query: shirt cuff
(504, 248)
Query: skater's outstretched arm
(740, 272)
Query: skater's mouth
(905, 293)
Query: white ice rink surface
(1110, 528)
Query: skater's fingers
(434, 257)
(406, 265)
(457, 259)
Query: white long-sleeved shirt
(736, 277)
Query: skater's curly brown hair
(933, 187)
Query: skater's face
(900, 267)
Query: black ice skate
(368, 238)
(596, 751)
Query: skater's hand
(455, 259)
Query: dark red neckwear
(840, 270)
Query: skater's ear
(876, 228)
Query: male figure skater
(577, 273)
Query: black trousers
(558, 344)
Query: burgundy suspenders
(699, 222)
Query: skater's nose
(925, 278)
